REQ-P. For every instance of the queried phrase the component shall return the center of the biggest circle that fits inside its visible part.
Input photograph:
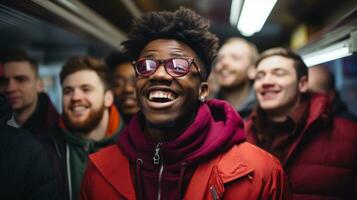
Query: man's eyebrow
(20, 77)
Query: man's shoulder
(16, 137)
(251, 156)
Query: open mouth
(78, 109)
(269, 94)
(161, 96)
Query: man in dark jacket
(89, 121)
(33, 109)
(179, 146)
(317, 148)
(24, 166)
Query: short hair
(183, 25)
(19, 55)
(254, 53)
(79, 63)
(116, 58)
(299, 65)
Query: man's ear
(39, 85)
(303, 84)
(108, 98)
(203, 91)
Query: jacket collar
(319, 108)
(224, 169)
(115, 170)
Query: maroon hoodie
(215, 129)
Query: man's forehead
(18, 68)
(234, 48)
(82, 78)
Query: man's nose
(160, 74)
(76, 95)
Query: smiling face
(164, 99)
(124, 89)
(84, 100)
(277, 87)
(233, 62)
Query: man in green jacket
(89, 121)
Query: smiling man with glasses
(180, 146)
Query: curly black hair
(116, 58)
(183, 25)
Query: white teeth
(161, 95)
(78, 108)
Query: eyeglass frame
(189, 60)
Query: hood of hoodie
(215, 129)
(5, 110)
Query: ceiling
(23, 23)
(285, 17)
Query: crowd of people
(144, 124)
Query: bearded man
(89, 121)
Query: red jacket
(321, 163)
(244, 172)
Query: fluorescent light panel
(235, 11)
(332, 52)
(254, 14)
(251, 18)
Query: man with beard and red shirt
(89, 121)
(316, 146)
(180, 146)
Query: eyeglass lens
(175, 67)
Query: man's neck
(21, 116)
(99, 132)
(237, 95)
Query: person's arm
(277, 186)
(41, 182)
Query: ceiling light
(235, 11)
(251, 17)
(335, 51)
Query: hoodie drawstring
(183, 168)
(139, 163)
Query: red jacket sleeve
(277, 186)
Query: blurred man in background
(33, 110)
(322, 81)
(124, 84)
(89, 121)
(317, 148)
(233, 73)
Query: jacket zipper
(156, 162)
(214, 193)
